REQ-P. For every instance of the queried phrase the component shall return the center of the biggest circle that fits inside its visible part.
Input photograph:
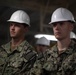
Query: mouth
(57, 32)
(12, 32)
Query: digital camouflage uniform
(17, 62)
(61, 64)
(38, 65)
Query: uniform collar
(68, 51)
(19, 48)
(71, 47)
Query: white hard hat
(43, 41)
(72, 35)
(62, 14)
(20, 16)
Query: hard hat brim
(62, 21)
(17, 22)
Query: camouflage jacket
(38, 65)
(61, 64)
(18, 61)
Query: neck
(63, 44)
(15, 42)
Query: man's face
(41, 48)
(17, 30)
(62, 29)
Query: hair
(71, 22)
(25, 25)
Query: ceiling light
(49, 37)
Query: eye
(58, 23)
(61, 23)
(54, 24)
(18, 25)
(11, 24)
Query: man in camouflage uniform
(62, 60)
(62, 56)
(18, 56)
(42, 46)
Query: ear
(26, 29)
(71, 27)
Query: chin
(59, 38)
(13, 36)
